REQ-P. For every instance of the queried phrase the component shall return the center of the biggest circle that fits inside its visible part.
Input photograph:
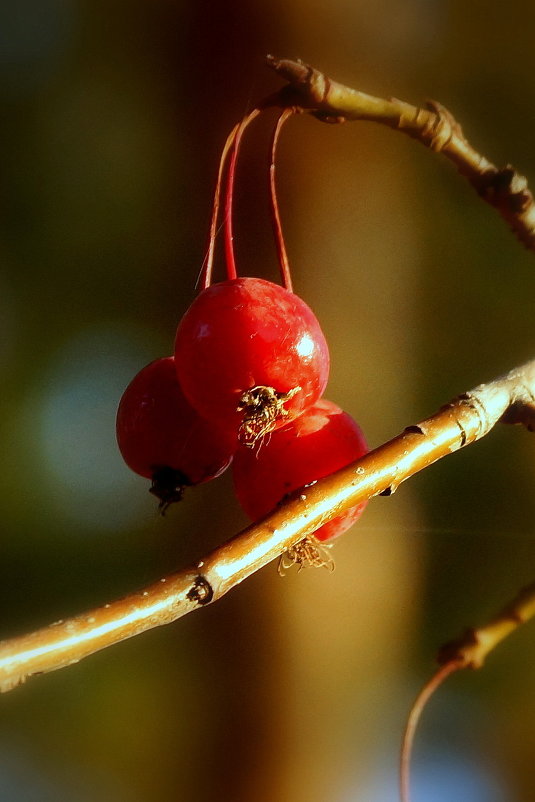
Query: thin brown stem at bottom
(412, 723)
(468, 651)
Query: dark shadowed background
(113, 115)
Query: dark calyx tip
(168, 485)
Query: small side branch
(468, 651)
(473, 647)
(463, 421)
(433, 126)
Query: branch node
(505, 187)
(439, 132)
(463, 433)
(521, 412)
(294, 71)
(415, 429)
(388, 491)
(307, 87)
(485, 419)
(461, 650)
(201, 592)
(330, 119)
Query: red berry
(320, 441)
(162, 437)
(251, 356)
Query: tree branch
(462, 421)
(472, 648)
(434, 126)
(468, 651)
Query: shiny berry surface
(322, 440)
(161, 436)
(250, 333)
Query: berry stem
(206, 272)
(229, 237)
(284, 265)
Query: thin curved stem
(412, 723)
(229, 198)
(470, 650)
(282, 255)
(205, 278)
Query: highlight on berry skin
(162, 438)
(250, 356)
(322, 440)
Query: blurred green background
(113, 116)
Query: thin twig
(468, 651)
(412, 723)
(433, 126)
(472, 648)
(463, 421)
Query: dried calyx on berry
(162, 438)
(262, 407)
(168, 486)
(319, 442)
(250, 355)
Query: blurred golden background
(293, 689)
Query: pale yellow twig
(434, 126)
(464, 420)
(473, 647)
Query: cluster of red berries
(244, 385)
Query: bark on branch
(462, 421)
(433, 126)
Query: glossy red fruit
(251, 356)
(162, 437)
(322, 440)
